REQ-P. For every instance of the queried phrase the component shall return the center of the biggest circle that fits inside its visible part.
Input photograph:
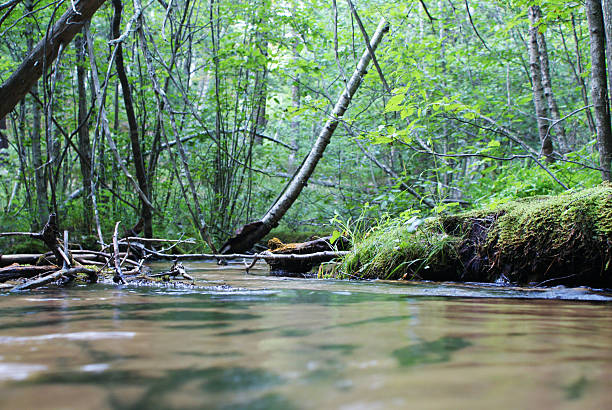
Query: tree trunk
(607, 17)
(548, 91)
(42, 204)
(536, 81)
(141, 175)
(580, 79)
(599, 88)
(45, 52)
(164, 103)
(84, 142)
(246, 238)
(261, 90)
(295, 102)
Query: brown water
(250, 341)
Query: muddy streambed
(252, 341)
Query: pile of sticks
(63, 264)
(123, 258)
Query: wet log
(21, 259)
(303, 256)
(55, 275)
(17, 272)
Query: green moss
(399, 252)
(560, 239)
(549, 237)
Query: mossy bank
(555, 240)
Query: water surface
(251, 341)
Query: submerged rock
(565, 239)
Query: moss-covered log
(555, 240)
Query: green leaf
(394, 103)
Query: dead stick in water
(117, 278)
(53, 276)
(316, 256)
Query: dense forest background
(191, 116)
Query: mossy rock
(551, 240)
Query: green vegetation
(198, 123)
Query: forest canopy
(193, 118)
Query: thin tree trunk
(548, 91)
(577, 71)
(83, 124)
(164, 102)
(141, 175)
(261, 89)
(42, 204)
(103, 119)
(536, 81)
(599, 88)
(42, 56)
(252, 233)
(295, 100)
(607, 17)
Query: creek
(259, 342)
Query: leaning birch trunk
(536, 80)
(251, 233)
(599, 87)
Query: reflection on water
(253, 342)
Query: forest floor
(545, 240)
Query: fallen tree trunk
(18, 271)
(302, 259)
(52, 276)
(21, 259)
(82, 256)
(250, 234)
(556, 240)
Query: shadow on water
(271, 401)
(575, 390)
(437, 351)
(214, 380)
(381, 319)
(345, 349)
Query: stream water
(256, 342)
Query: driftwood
(17, 271)
(62, 257)
(21, 259)
(283, 258)
(55, 275)
(118, 278)
(84, 257)
(322, 247)
(177, 270)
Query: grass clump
(398, 250)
